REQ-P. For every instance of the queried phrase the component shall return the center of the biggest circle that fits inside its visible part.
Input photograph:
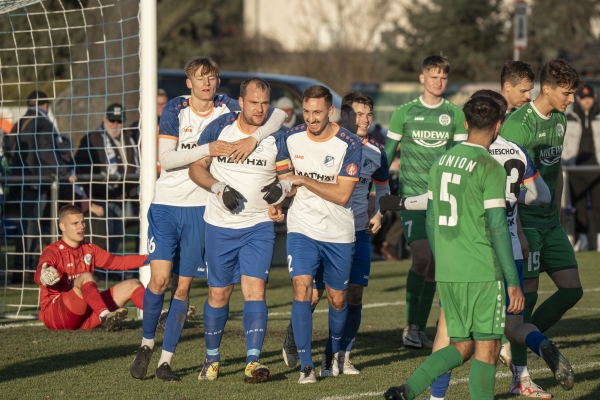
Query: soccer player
(175, 217)
(320, 223)
(426, 127)
(357, 115)
(240, 236)
(516, 81)
(466, 225)
(69, 296)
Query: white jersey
(325, 161)
(374, 166)
(260, 169)
(180, 121)
(519, 170)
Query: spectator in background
(110, 152)
(287, 105)
(582, 147)
(161, 101)
(32, 151)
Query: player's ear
(466, 124)
(344, 116)
(331, 111)
(241, 102)
(188, 83)
(422, 79)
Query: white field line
(458, 381)
(21, 325)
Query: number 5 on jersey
(448, 178)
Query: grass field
(40, 364)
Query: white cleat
(307, 375)
(329, 364)
(344, 365)
(425, 342)
(410, 337)
(506, 355)
(526, 387)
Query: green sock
(555, 306)
(434, 366)
(503, 341)
(519, 355)
(426, 302)
(415, 284)
(530, 300)
(482, 378)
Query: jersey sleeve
(394, 134)
(169, 120)
(382, 175)
(494, 186)
(351, 164)
(515, 131)
(105, 260)
(214, 129)
(231, 104)
(460, 134)
(531, 171)
(282, 160)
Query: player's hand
(276, 213)
(242, 149)
(220, 148)
(296, 179)
(524, 244)
(277, 191)
(49, 275)
(227, 196)
(374, 225)
(517, 300)
(391, 203)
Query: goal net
(69, 108)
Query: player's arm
(228, 197)
(105, 260)
(397, 203)
(430, 222)
(381, 181)
(50, 269)
(522, 239)
(460, 133)
(243, 147)
(537, 192)
(559, 188)
(394, 135)
(338, 193)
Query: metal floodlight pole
(520, 29)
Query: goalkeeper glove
(227, 196)
(49, 275)
(277, 191)
(391, 203)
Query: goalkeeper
(69, 297)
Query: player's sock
(426, 302)
(520, 371)
(137, 297)
(482, 378)
(255, 326)
(337, 323)
(302, 324)
(440, 385)
(435, 365)
(504, 340)
(519, 355)
(214, 327)
(351, 327)
(530, 300)
(91, 295)
(415, 284)
(165, 357)
(148, 342)
(174, 324)
(152, 308)
(554, 307)
(534, 340)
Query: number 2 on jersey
(448, 178)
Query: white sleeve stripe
(494, 203)
(394, 136)
(430, 195)
(460, 137)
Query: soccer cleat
(558, 364)
(506, 355)
(526, 387)
(410, 337)
(396, 393)
(112, 318)
(344, 365)
(290, 351)
(329, 365)
(139, 366)
(165, 373)
(210, 371)
(256, 373)
(425, 342)
(307, 375)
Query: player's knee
(420, 264)
(338, 302)
(219, 297)
(158, 284)
(571, 296)
(84, 278)
(134, 282)
(355, 294)
(181, 294)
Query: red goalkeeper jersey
(71, 262)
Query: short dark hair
(481, 113)
(436, 62)
(258, 82)
(204, 64)
(318, 92)
(356, 97)
(560, 73)
(69, 209)
(516, 72)
(497, 97)
(37, 97)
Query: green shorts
(549, 251)
(473, 310)
(413, 225)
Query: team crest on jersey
(367, 163)
(329, 161)
(87, 259)
(560, 129)
(444, 119)
(351, 169)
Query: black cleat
(139, 366)
(165, 373)
(112, 318)
(396, 393)
(558, 364)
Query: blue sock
(302, 325)
(152, 308)
(255, 326)
(214, 327)
(337, 322)
(534, 340)
(440, 385)
(351, 327)
(174, 323)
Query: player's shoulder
(295, 129)
(371, 143)
(451, 106)
(402, 108)
(225, 120)
(223, 100)
(177, 104)
(348, 137)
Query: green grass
(40, 364)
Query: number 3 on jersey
(448, 178)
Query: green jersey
(426, 132)
(542, 136)
(463, 183)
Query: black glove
(391, 203)
(277, 191)
(227, 196)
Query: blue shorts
(305, 255)
(177, 234)
(361, 262)
(231, 253)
